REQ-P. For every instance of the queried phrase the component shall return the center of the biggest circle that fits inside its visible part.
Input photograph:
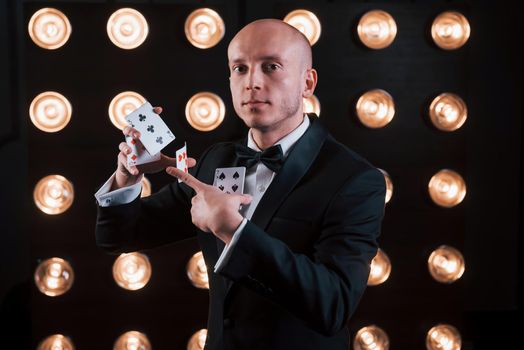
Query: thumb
(245, 199)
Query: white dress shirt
(258, 178)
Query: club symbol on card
(151, 128)
(234, 187)
(221, 187)
(141, 117)
(159, 140)
(235, 175)
(222, 176)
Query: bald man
(287, 269)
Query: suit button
(228, 323)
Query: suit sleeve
(323, 290)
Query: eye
(271, 67)
(239, 69)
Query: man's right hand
(127, 175)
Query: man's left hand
(211, 209)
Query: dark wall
(89, 70)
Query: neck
(267, 137)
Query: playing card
(181, 159)
(230, 180)
(154, 133)
(139, 154)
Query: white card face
(181, 159)
(139, 154)
(230, 180)
(154, 133)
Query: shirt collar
(287, 141)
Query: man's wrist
(227, 234)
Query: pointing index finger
(186, 178)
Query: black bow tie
(272, 157)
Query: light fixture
(447, 188)
(132, 271)
(132, 340)
(197, 271)
(197, 340)
(450, 30)
(54, 277)
(49, 28)
(311, 105)
(127, 28)
(448, 112)
(375, 108)
(380, 269)
(389, 185)
(123, 104)
(146, 188)
(443, 337)
(204, 28)
(371, 338)
(377, 29)
(306, 22)
(205, 111)
(446, 264)
(53, 194)
(50, 111)
(56, 342)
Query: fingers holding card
(181, 159)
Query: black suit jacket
(302, 262)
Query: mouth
(254, 103)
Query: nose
(254, 80)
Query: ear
(311, 82)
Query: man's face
(266, 76)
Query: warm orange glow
(123, 104)
(450, 30)
(447, 188)
(132, 340)
(389, 185)
(204, 28)
(54, 277)
(311, 105)
(443, 337)
(380, 269)
(448, 112)
(127, 28)
(49, 28)
(446, 264)
(132, 271)
(306, 22)
(197, 271)
(371, 338)
(375, 108)
(377, 29)
(197, 340)
(146, 188)
(56, 342)
(53, 194)
(205, 111)
(50, 111)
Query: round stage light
(306, 22)
(205, 111)
(389, 185)
(50, 111)
(53, 194)
(447, 188)
(132, 271)
(448, 112)
(127, 28)
(197, 271)
(56, 342)
(123, 104)
(132, 340)
(371, 338)
(377, 29)
(49, 28)
(54, 277)
(197, 340)
(311, 105)
(375, 108)
(380, 269)
(446, 264)
(204, 28)
(450, 30)
(146, 188)
(443, 337)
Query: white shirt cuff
(226, 253)
(122, 195)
